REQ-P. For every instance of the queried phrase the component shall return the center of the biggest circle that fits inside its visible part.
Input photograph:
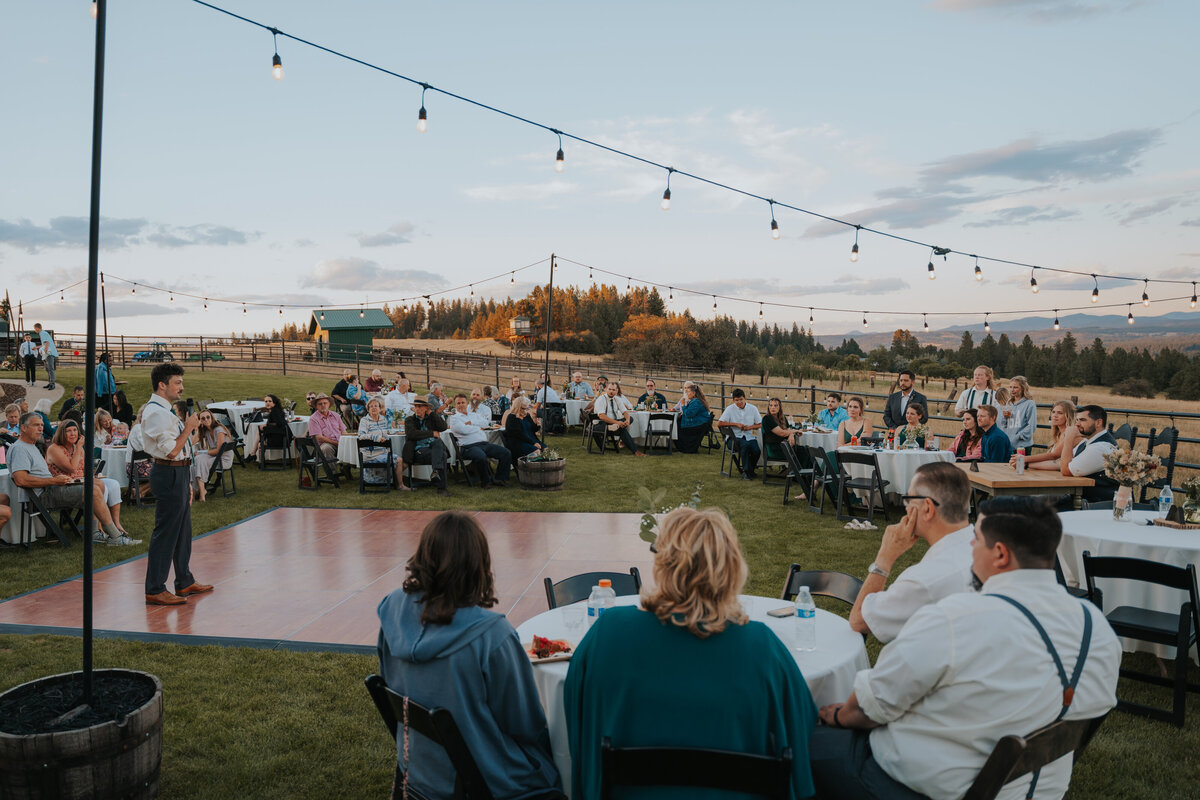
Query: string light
(276, 61)
(61, 297)
(1193, 302)
(322, 315)
(512, 278)
(810, 318)
(95, 12)
(559, 158)
(774, 224)
(978, 271)
(281, 311)
(1131, 313)
(854, 250)
(1056, 319)
(924, 317)
(133, 289)
(472, 290)
(865, 323)
(243, 309)
(422, 119)
(1033, 282)
(666, 201)
(206, 305)
(714, 302)
(628, 284)
(932, 272)
(1146, 294)
(987, 326)
(361, 314)
(1095, 289)
(760, 312)
(671, 296)
(171, 297)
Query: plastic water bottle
(1165, 500)
(601, 599)
(806, 621)
(1021, 461)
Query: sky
(1064, 133)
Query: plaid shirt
(328, 425)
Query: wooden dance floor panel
(314, 575)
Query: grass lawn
(243, 722)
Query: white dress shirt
(971, 669)
(160, 428)
(1088, 456)
(746, 416)
(944, 570)
(399, 401)
(469, 428)
(612, 407)
(974, 398)
(27, 349)
(482, 408)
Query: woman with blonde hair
(1063, 438)
(104, 427)
(693, 617)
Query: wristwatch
(875, 569)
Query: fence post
(357, 370)
(202, 354)
(253, 354)
(496, 361)
(123, 364)
(723, 394)
(283, 353)
(812, 398)
(427, 369)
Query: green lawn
(244, 722)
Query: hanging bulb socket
(206, 307)
(95, 11)
(978, 271)
(1130, 318)
(932, 272)
(1033, 287)
(865, 323)
(322, 316)
(361, 314)
(422, 118)
(1193, 303)
(714, 302)
(926, 321)
(1146, 295)
(560, 161)
(1096, 295)
(760, 312)
(774, 230)
(665, 205)
(854, 250)
(277, 67)
(987, 326)
(671, 295)
(171, 297)
(61, 298)
(1056, 325)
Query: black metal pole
(546, 385)
(89, 439)
(104, 311)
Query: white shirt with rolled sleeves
(399, 401)
(970, 669)
(468, 428)
(944, 570)
(974, 398)
(746, 416)
(160, 428)
(1090, 459)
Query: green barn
(338, 332)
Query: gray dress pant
(171, 542)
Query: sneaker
(100, 537)
(122, 541)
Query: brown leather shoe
(195, 588)
(164, 599)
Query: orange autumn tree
(658, 340)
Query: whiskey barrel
(547, 476)
(112, 759)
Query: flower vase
(1122, 503)
(1191, 511)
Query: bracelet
(836, 722)
(875, 569)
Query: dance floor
(312, 577)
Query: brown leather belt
(162, 462)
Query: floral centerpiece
(653, 511)
(1191, 502)
(547, 454)
(914, 435)
(1130, 469)
(289, 407)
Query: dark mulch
(42, 707)
(10, 393)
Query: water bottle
(601, 599)
(806, 621)
(1165, 500)
(1021, 461)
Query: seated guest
(579, 389)
(913, 416)
(179, 406)
(683, 397)
(970, 669)
(276, 425)
(400, 376)
(695, 420)
(122, 411)
(1018, 417)
(438, 400)
(311, 400)
(423, 444)
(104, 427)
(495, 401)
(439, 645)
(373, 427)
(650, 398)
(74, 401)
(833, 414)
(600, 385)
(897, 402)
(775, 431)
(326, 428)
(374, 384)
(400, 398)
(600, 390)
(935, 509)
(477, 406)
(1063, 438)
(31, 473)
(338, 394)
(356, 396)
(545, 394)
(1087, 457)
(968, 445)
(520, 430)
(996, 447)
(741, 420)
(211, 436)
(12, 420)
(855, 423)
(981, 391)
(692, 618)
(470, 427)
(65, 456)
(514, 390)
(5, 509)
(614, 413)
(42, 409)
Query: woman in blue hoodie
(439, 645)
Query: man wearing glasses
(936, 509)
(833, 413)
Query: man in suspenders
(971, 669)
(1087, 459)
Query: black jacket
(893, 418)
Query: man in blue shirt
(997, 449)
(49, 353)
(833, 413)
(579, 389)
(652, 397)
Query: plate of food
(542, 650)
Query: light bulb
(1096, 295)
(671, 296)
(987, 326)
(61, 298)
(559, 161)
(926, 321)
(1033, 285)
(243, 309)
(422, 121)
(472, 290)
(277, 67)
(854, 252)
(171, 297)
(322, 316)
(1193, 303)
(281, 311)
(760, 312)
(133, 289)
(1146, 295)
(512, 278)
(810, 317)
(865, 323)
(666, 201)
(360, 314)
(1056, 326)
(95, 12)
(1131, 316)
(628, 284)
(978, 273)
(774, 229)
(714, 302)
(932, 272)
(206, 304)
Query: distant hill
(1179, 330)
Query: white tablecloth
(11, 532)
(575, 411)
(1099, 534)
(237, 412)
(829, 670)
(898, 466)
(116, 463)
(825, 441)
(299, 427)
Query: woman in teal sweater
(701, 675)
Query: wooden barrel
(110, 760)
(547, 476)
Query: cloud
(918, 210)
(361, 275)
(290, 299)
(115, 233)
(520, 191)
(736, 288)
(1192, 223)
(1038, 10)
(203, 234)
(1024, 215)
(396, 234)
(77, 309)
(304, 243)
(1179, 273)
(1146, 210)
(1054, 281)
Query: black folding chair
(1016, 756)
(219, 471)
(767, 776)
(797, 473)
(313, 464)
(1180, 630)
(824, 479)
(473, 471)
(554, 416)
(275, 441)
(33, 507)
(775, 465)
(136, 458)
(872, 484)
(729, 449)
(597, 433)
(822, 583)
(1076, 591)
(375, 458)
(239, 445)
(1168, 437)
(660, 427)
(579, 587)
(1106, 505)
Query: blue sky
(1057, 132)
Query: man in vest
(1087, 459)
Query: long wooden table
(1000, 479)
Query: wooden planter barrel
(109, 760)
(546, 476)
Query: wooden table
(1001, 479)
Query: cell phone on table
(782, 612)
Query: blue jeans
(842, 766)
(51, 368)
(748, 453)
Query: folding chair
(659, 427)
(821, 582)
(824, 481)
(33, 508)
(278, 442)
(797, 473)
(874, 483)
(1106, 505)
(217, 476)
(1170, 438)
(313, 464)
(554, 417)
(239, 445)
(1016, 756)
(767, 776)
(773, 458)
(1076, 591)
(729, 449)
(598, 433)
(463, 466)
(1180, 630)
(579, 587)
(136, 480)
(371, 461)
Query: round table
(116, 463)
(575, 411)
(237, 409)
(826, 440)
(299, 427)
(829, 670)
(1099, 534)
(897, 467)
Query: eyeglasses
(908, 497)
